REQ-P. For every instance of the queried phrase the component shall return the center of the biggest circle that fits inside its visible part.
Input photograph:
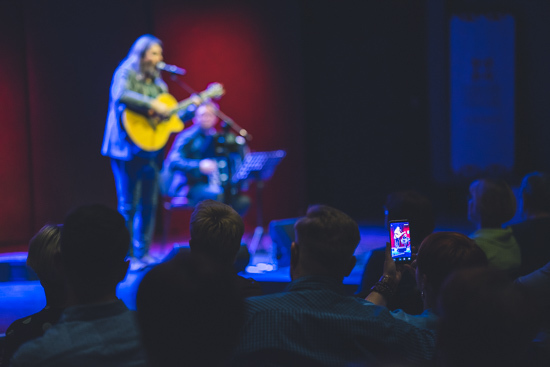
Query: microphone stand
(183, 85)
(229, 121)
(222, 116)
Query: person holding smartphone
(439, 255)
(419, 213)
(314, 322)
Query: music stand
(259, 167)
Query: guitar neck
(189, 101)
(183, 105)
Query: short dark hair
(216, 230)
(441, 253)
(328, 235)
(180, 314)
(94, 244)
(535, 192)
(494, 201)
(43, 249)
(415, 207)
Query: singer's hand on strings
(160, 108)
(196, 99)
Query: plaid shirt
(314, 323)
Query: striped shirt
(314, 323)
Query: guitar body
(152, 133)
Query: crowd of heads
(181, 301)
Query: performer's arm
(188, 113)
(123, 94)
(176, 160)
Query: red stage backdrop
(15, 171)
(55, 69)
(240, 47)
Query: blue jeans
(137, 193)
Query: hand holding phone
(400, 240)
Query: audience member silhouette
(418, 210)
(439, 255)
(314, 322)
(492, 204)
(190, 311)
(532, 234)
(44, 247)
(216, 231)
(96, 328)
(485, 320)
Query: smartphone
(400, 239)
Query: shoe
(149, 260)
(136, 264)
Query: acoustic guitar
(151, 133)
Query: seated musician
(196, 166)
(397, 234)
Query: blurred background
(366, 97)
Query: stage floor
(21, 297)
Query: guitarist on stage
(192, 167)
(135, 85)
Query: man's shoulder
(32, 326)
(305, 322)
(307, 300)
(56, 341)
(266, 301)
(70, 342)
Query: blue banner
(482, 67)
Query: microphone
(170, 68)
